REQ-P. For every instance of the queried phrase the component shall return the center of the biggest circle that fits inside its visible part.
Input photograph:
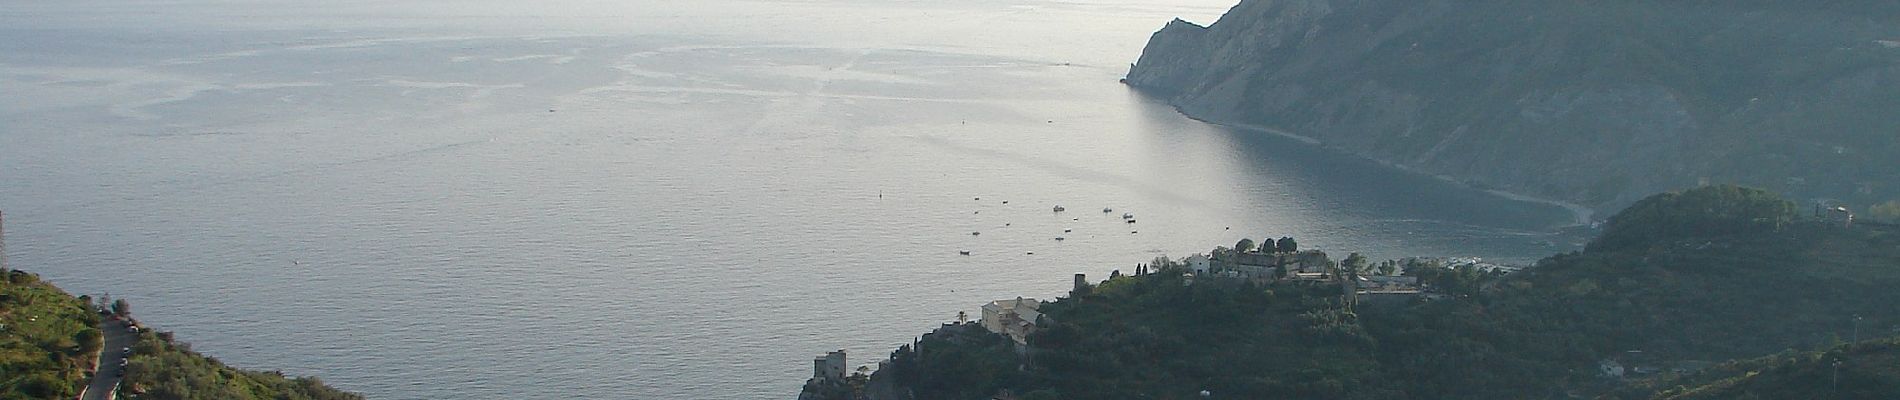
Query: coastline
(1580, 215)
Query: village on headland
(1270, 261)
(1580, 322)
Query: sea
(639, 199)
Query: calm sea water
(635, 199)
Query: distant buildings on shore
(1020, 317)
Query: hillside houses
(1199, 264)
(1381, 282)
(1263, 266)
(1014, 318)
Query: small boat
(1059, 208)
(1068, 230)
(1128, 215)
(1058, 238)
(963, 252)
(1106, 210)
(975, 233)
(1133, 232)
(1131, 220)
(1005, 201)
(979, 199)
(1032, 253)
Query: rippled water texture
(635, 199)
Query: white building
(1200, 264)
(1610, 368)
(1016, 318)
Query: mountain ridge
(1597, 104)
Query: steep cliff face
(1594, 102)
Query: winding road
(106, 377)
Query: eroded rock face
(1599, 103)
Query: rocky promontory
(1597, 103)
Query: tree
(121, 308)
(89, 340)
(1287, 245)
(1163, 263)
(1245, 245)
(1388, 268)
(1889, 211)
(1700, 212)
(1353, 265)
(46, 386)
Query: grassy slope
(40, 352)
(161, 368)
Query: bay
(637, 199)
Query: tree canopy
(1697, 213)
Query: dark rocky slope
(1598, 103)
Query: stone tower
(828, 367)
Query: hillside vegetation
(1868, 370)
(1599, 102)
(164, 369)
(48, 339)
(1658, 293)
